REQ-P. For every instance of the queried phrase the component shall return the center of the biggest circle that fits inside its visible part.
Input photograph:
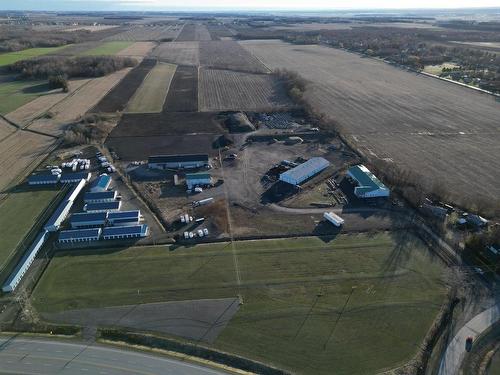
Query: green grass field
(355, 305)
(150, 96)
(18, 214)
(107, 48)
(12, 57)
(15, 94)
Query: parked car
(468, 343)
(205, 231)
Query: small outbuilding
(198, 179)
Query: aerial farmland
(230, 142)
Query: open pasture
(179, 53)
(107, 48)
(150, 96)
(308, 305)
(229, 55)
(193, 32)
(225, 90)
(117, 99)
(449, 134)
(18, 214)
(183, 93)
(11, 57)
(15, 94)
(44, 103)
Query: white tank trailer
(334, 219)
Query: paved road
(455, 352)
(21, 355)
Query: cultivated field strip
(166, 123)
(78, 103)
(183, 93)
(117, 99)
(230, 55)
(224, 90)
(148, 33)
(219, 31)
(20, 153)
(193, 32)
(138, 50)
(179, 53)
(150, 96)
(449, 134)
(37, 107)
(6, 129)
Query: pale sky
(166, 5)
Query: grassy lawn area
(355, 305)
(150, 96)
(107, 48)
(18, 214)
(437, 69)
(17, 93)
(12, 57)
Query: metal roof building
(368, 185)
(101, 183)
(73, 194)
(134, 231)
(126, 218)
(72, 178)
(88, 219)
(43, 179)
(178, 161)
(103, 207)
(59, 215)
(101, 196)
(196, 179)
(25, 262)
(304, 171)
(79, 235)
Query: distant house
(178, 161)
(367, 184)
(100, 184)
(198, 179)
